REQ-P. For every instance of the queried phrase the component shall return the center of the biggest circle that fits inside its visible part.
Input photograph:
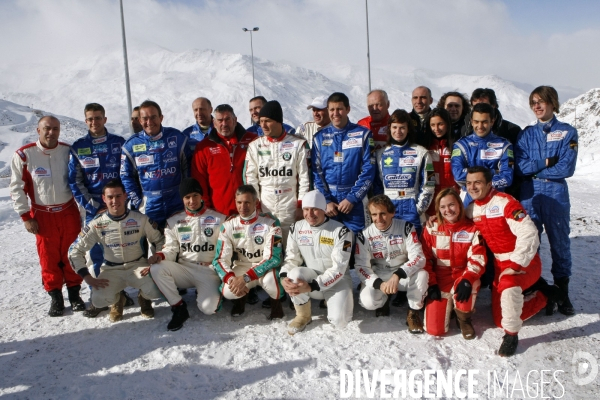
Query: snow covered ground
(219, 357)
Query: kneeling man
(389, 258)
(191, 238)
(513, 238)
(316, 265)
(124, 235)
(255, 240)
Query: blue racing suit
(490, 151)
(544, 192)
(92, 163)
(152, 169)
(255, 128)
(344, 168)
(406, 176)
(195, 134)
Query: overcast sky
(551, 42)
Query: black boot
(400, 299)
(566, 307)
(267, 302)
(508, 346)
(239, 306)
(128, 300)
(252, 297)
(57, 306)
(180, 315)
(276, 309)
(77, 303)
(385, 310)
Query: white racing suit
(279, 171)
(319, 255)
(256, 244)
(124, 241)
(380, 254)
(191, 239)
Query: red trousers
(437, 312)
(57, 231)
(509, 307)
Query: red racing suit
(513, 238)
(441, 156)
(453, 252)
(379, 130)
(41, 175)
(219, 168)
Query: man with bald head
(378, 105)
(421, 101)
(202, 109)
(39, 173)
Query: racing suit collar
(386, 230)
(277, 139)
(118, 218)
(45, 150)
(547, 125)
(98, 138)
(251, 219)
(321, 225)
(155, 137)
(196, 213)
(487, 198)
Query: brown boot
(276, 310)
(414, 321)
(145, 306)
(465, 324)
(303, 318)
(116, 310)
(239, 307)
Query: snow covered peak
(583, 112)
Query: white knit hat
(314, 199)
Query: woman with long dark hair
(439, 143)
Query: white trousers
(340, 302)
(120, 277)
(169, 275)
(414, 286)
(269, 282)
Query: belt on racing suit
(114, 264)
(53, 208)
(395, 194)
(337, 188)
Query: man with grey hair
(39, 173)
(421, 102)
(316, 265)
(202, 109)
(248, 254)
(377, 121)
(320, 119)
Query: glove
(551, 161)
(463, 290)
(434, 293)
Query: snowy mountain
(583, 112)
(175, 79)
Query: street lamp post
(252, 54)
(368, 50)
(129, 108)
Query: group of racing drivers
(430, 205)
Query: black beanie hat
(272, 109)
(189, 185)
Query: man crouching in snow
(124, 235)
(191, 237)
(518, 291)
(389, 258)
(324, 246)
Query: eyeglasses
(150, 118)
(94, 119)
(540, 102)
